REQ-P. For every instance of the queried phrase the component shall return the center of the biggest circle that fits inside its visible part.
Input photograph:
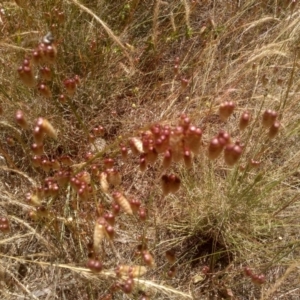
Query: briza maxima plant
(149, 153)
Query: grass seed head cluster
(149, 153)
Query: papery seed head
(108, 163)
(143, 163)
(114, 177)
(46, 127)
(123, 202)
(104, 185)
(136, 145)
(26, 76)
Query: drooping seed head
(244, 120)
(225, 110)
(269, 117)
(21, 120)
(274, 129)
(44, 90)
(232, 154)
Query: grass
(146, 66)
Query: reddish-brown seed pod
(46, 127)
(143, 163)
(176, 69)
(46, 165)
(274, 129)
(33, 199)
(36, 161)
(187, 157)
(170, 256)
(50, 54)
(42, 211)
(108, 163)
(124, 152)
(70, 86)
(62, 99)
(4, 225)
(54, 164)
(116, 208)
(109, 218)
(135, 204)
(110, 232)
(258, 279)
(10, 141)
(225, 110)
(94, 265)
(232, 154)
(45, 73)
(142, 214)
(66, 160)
(214, 149)
(114, 177)
(84, 177)
(269, 117)
(248, 272)
(172, 272)
(136, 146)
(165, 184)
(192, 138)
(174, 183)
(205, 270)
(37, 149)
(99, 234)
(244, 120)
(127, 287)
(148, 258)
(167, 160)
(38, 135)
(152, 155)
(123, 202)
(44, 90)
(184, 83)
(21, 120)
(26, 75)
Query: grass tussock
(149, 149)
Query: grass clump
(149, 149)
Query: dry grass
(222, 218)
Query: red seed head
(21, 120)
(269, 117)
(274, 129)
(226, 109)
(244, 120)
(214, 149)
